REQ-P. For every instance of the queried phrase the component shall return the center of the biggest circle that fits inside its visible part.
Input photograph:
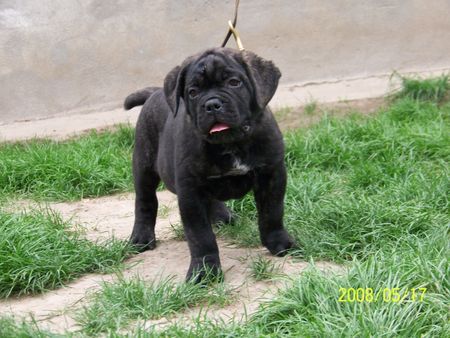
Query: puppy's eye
(193, 93)
(234, 83)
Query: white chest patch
(237, 169)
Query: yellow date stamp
(387, 295)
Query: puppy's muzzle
(214, 106)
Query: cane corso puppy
(210, 137)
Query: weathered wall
(65, 56)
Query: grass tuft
(311, 107)
(262, 268)
(431, 89)
(39, 252)
(120, 302)
(177, 231)
(9, 328)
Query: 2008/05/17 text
(388, 295)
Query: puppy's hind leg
(146, 207)
(219, 213)
(146, 181)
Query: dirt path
(113, 216)
(307, 115)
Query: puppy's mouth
(219, 127)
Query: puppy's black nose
(213, 106)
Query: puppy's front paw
(143, 240)
(205, 269)
(278, 242)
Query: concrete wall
(68, 56)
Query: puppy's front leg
(199, 234)
(269, 189)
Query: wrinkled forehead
(214, 68)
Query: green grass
(311, 107)
(432, 89)
(118, 303)
(39, 252)
(244, 231)
(9, 328)
(88, 166)
(178, 231)
(262, 268)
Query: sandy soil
(307, 115)
(113, 216)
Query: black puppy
(210, 137)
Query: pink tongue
(218, 127)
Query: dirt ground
(304, 116)
(113, 216)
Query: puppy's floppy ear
(174, 84)
(264, 76)
(173, 88)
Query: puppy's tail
(138, 98)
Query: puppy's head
(224, 92)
